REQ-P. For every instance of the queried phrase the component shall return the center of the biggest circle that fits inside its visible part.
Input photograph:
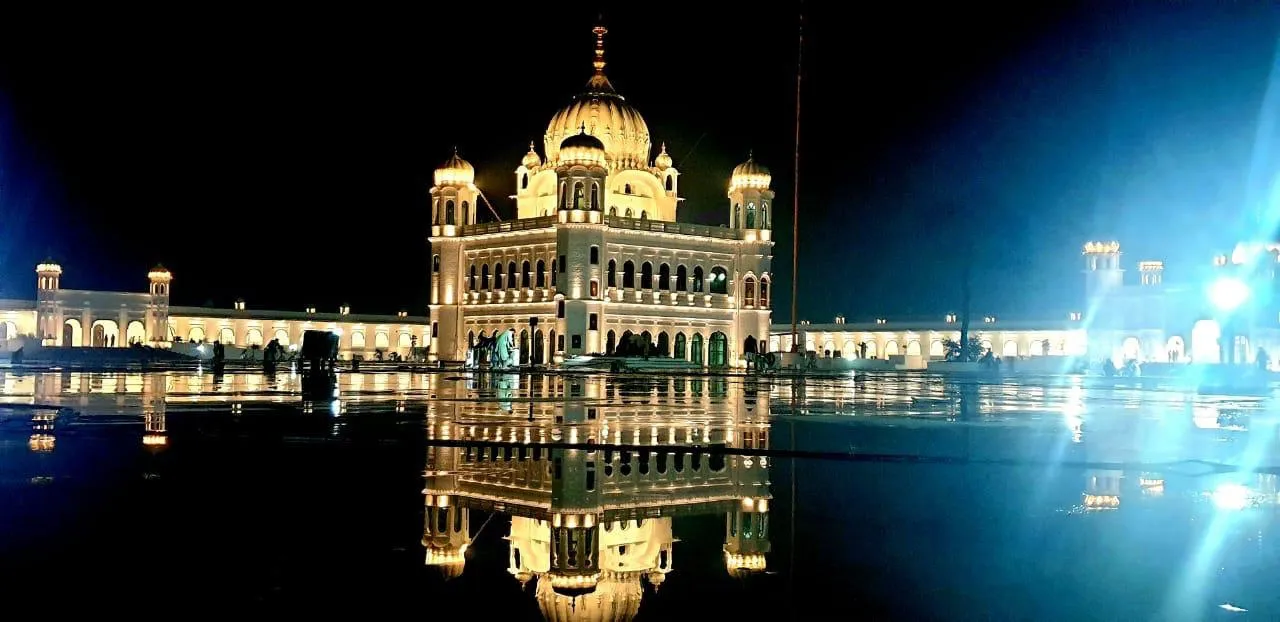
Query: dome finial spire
(600, 32)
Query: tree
(954, 352)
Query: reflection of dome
(582, 148)
(749, 174)
(450, 561)
(531, 159)
(741, 565)
(606, 115)
(615, 597)
(663, 161)
(455, 171)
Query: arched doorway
(913, 348)
(252, 337)
(871, 349)
(664, 344)
(536, 355)
(680, 351)
(695, 349)
(891, 348)
(1010, 349)
(718, 350)
(1176, 349)
(524, 347)
(749, 345)
(610, 343)
(1204, 342)
(72, 333)
(1131, 349)
(135, 333)
(106, 334)
(936, 349)
(282, 336)
(227, 336)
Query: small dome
(663, 161)
(159, 272)
(49, 265)
(582, 148)
(749, 174)
(531, 159)
(455, 172)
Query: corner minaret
(158, 306)
(750, 199)
(48, 311)
(1102, 269)
(453, 208)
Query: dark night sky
(284, 157)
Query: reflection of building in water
(1102, 489)
(592, 525)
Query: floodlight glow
(1228, 293)
(1231, 497)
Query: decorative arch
(511, 275)
(540, 279)
(682, 278)
(680, 350)
(718, 350)
(610, 343)
(664, 277)
(1010, 348)
(1176, 349)
(381, 341)
(357, 340)
(987, 346)
(282, 336)
(497, 275)
(135, 332)
(612, 276)
(628, 275)
(195, 334)
(227, 336)
(405, 340)
(849, 349)
(253, 337)
(749, 345)
(696, 349)
(484, 276)
(871, 349)
(1131, 348)
(699, 279)
(524, 274)
(891, 348)
(913, 348)
(749, 291)
(466, 213)
(719, 280)
(936, 348)
(764, 292)
(664, 344)
(448, 212)
(646, 275)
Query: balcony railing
(658, 226)
(523, 224)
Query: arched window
(679, 351)
(664, 344)
(484, 276)
(435, 264)
(611, 278)
(594, 255)
(562, 199)
(764, 293)
(497, 276)
(670, 182)
(749, 292)
(698, 279)
(613, 211)
(524, 181)
(644, 215)
(595, 196)
(719, 280)
(695, 349)
(664, 277)
(471, 282)
(524, 274)
(628, 213)
(282, 336)
(626, 189)
(466, 213)
(553, 273)
(751, 215)
(737, 216)
(628, 275)
(610, 342)
(448, 212)
(718, 350)
(764, 214)
(197, 334)
(541, 278)
(646, 275)
(357, 340)
(682, 278)
(578, 198)
(512, 281)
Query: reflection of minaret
(446, 528)
(746, 539)
(1102, 489)
(155, 432)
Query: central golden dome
(606, 115)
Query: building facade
(598, 252)
(60, 317)
(1226, 314)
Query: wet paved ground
(891, 496)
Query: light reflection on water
(585, 491)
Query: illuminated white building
(80, 318)
(598, 251)
(1141, 317)
(592, 527)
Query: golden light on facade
(1101, 502)
(155, 440)
(49, 269)
(740, 564)
(42, 443)
(1101, 248)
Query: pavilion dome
(749, 174)
(606, 115)
(616, 596)
(663, 161)
(455, 172)
(582, 148)
(531, 159)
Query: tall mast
(795, 197)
